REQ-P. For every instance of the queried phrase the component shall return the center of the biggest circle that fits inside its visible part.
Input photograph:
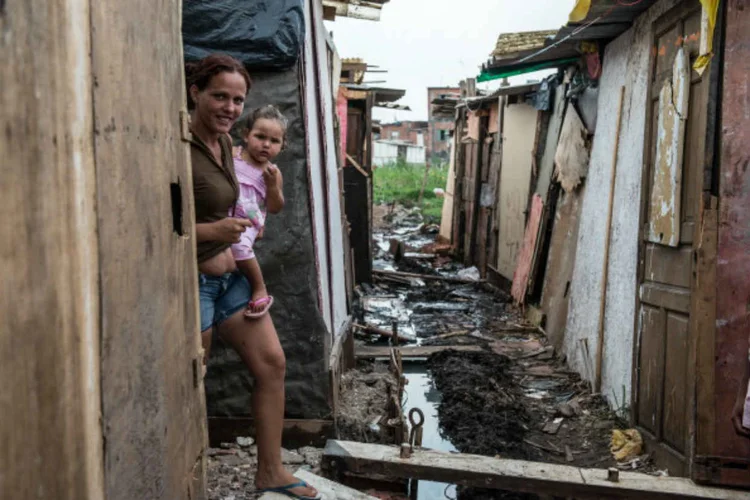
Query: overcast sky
(432, 43)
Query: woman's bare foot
(281, 477)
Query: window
(395, 134)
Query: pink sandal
(265, 302)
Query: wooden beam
(607, 240)
(341, 457)
(377, 352)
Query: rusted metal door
(673, 185)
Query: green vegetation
(401, 183)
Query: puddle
(421, 393)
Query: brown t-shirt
(215, 189)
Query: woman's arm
(227, 230)
(274, 189)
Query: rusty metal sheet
(733, 262)
(523, 268)
(665, 204)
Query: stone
(231, 460)
(312, 456)
(245, 442)
(291, 457)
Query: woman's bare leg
(259, 348)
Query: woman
(217, 86)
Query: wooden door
(153, 411)
(665, 377)
(471, 159)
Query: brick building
(407, 131)
(439, 128)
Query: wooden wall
(49, 305)
(99, 349)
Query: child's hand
(271, 175)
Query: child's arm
(252, 272)
(274, 189)
(739, 405)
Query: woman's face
(220, 104)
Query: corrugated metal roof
(510, 44)
(605, 21)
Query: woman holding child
(231, 199)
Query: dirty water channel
(420, 392)
(512, 396)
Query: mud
(480, 411)
(365, 395)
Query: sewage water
(420, 392)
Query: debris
(397, 249)
(566, 410)
(291, 457)
(373, 330)
(626, 444)
(553, 426)
(245, 442)
(469, 274)
(399, 274)
(569, 454)
(547, 352)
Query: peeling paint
(665, 206)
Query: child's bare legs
(252, 272)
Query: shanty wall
(99, 337)
(626, 62)
(302, 253)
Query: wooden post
(607, 240)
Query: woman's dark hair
(199, 73)
(267, 112)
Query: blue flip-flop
(285, 490)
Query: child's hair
(200, 73)
(267, 112)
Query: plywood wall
(519, 138)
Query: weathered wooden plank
(530, 240)
(668, 266)
(666, 296)
(49, 304)
(326, 487)
(666, 189)
(703, 323)
(560, 263)
(651, 362)
(369, 352)
(513, 475)
(519, 137)
(152, 398)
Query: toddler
(260, 191)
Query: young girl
(260, 190)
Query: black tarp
(260, 33)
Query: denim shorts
(221, 297)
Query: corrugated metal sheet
(357, 9)
(510, 44)
(605, 21)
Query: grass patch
(401, 183)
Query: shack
(355, 101)
(294, 65)
(628, 251)
(99, 345)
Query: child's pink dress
(746, 413)
(251, 205)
